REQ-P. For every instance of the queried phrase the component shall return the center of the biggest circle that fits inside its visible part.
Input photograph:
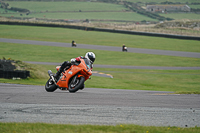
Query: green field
(70, 10)
(97, 10)
(161, 80)
(159, 1)
(194, 6)
(125, 16)
(3, 11)
(178, 16)
(66, 6)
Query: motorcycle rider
(66, 64)
(124, 48)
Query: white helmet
(90, 56)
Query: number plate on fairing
(70, 72)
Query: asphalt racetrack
(27, 103)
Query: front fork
(73, 82)
(75, 77)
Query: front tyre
(75, 86)
(50, 86)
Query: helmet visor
(92, 59)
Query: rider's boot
(56, 76)
(61, 69)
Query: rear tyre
(50, 86)
(74, 87)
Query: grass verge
(178, 81)
(63, 128)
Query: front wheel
(50, 86)
(75, 86)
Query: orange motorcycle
(71, 79)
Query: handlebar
(75, 63)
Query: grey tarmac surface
(27, 103)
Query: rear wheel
(50, 86)
(76, 85)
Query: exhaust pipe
(51, 76)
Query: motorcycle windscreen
(88, 64)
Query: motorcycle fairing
(83, 69)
